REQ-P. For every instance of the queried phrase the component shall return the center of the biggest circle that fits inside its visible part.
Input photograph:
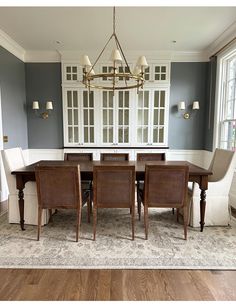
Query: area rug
(215, 248)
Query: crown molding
(12, 46)
(221, 41)
(42, 56)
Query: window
(228, 103)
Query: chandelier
(119, 76)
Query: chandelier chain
(114, 20)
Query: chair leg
(185, 210)
(39, 222)
(94, 221)
(177, 215)
(88, 209)
(173, 211)
(50, 215)
(91, 201)
(78, 223)
(146, 221)
(132, 219)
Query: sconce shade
(181, 105)
(116, 56)
(91, 73)
(142, 62)
(35, 105)
(196, 105)
(49, 106)
(85, 61)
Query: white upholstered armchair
(217, 196)
(13, 159)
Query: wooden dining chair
(147, 157)
(82, 157)
(165, 187)
(114, 187)
(60, 187)
(114, 157)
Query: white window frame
(220, 92)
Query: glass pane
(110, 135)
(91, 99)
(145, 134)
(139, 135)
(140, 99)
(110, 99)
(85, 98)
(162, 99)
(155, 117)
(157, 69)
(91, 134)
(120, 121)
(157, 76)
(145, 118)
(104, 132)
(126, 135)
(69, 99)
(105, 117)
(86, 134)
(120, 135)
(74, 69)
(104, 94)
(146, 99)
(126, 99)
(161, 134)
(126, 122)
(74, 76)
(68, 76)
(156, 98)
(70, 135)
(68, 69)
(161, 120)
(140, 119)
(76, 134)
(163, 76)
(121, 99)
(163, 69)
(110, 117)
(69, 117)
(75, 99)
(155, 135)
(86, 117)
(76, 117)
(91, 116)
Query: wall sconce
(45, 114)
(182, 106)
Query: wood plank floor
(42, 284)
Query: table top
(87, 166)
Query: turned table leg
(21, 208)
(202, 208)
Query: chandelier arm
(101, 53)
(122, 52)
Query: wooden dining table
(196, 174)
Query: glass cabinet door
(72, 115)
(159, 102)
(123, 117)
(107, 117)
(88, 116)
(143, 116)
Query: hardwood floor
(42, 284)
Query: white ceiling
(138, 28)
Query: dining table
(196, 174)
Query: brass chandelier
(119, 77)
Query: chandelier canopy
(119, 77)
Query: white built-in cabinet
(126, 119)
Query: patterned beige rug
(165, 248)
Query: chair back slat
(78, 156)
(151, 156)
(114, 157)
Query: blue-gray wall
(43, 83)
(188, 83)
(14, 115)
